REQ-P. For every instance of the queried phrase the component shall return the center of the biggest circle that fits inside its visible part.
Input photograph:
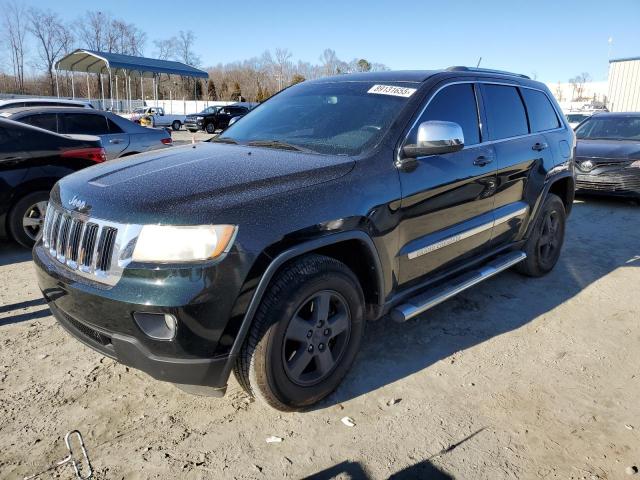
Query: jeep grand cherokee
(338, 201)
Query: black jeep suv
(266, 250)
(214, 118)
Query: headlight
(199, 118)
(173, 244)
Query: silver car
(120, 137)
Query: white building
(624, 85)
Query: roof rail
(486, 70)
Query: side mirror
(436, 137)
(234, 120)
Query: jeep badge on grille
(77, 203)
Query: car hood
(610, 149)
(188, 184)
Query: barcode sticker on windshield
(392, 90)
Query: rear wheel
(176, 125)
(305, 334)
(210, 128)
(544, 245)
(26, 218)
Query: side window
(87, 124)
(455, 103)
(113, 127)
(542, 116)
(505, 112)
(48, 121)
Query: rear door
(447, 204)
(521, 154)
(95, 124)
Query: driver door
(448, 199)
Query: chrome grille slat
(88, 247)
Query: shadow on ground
(355, 471)
(11, 252)
(602, 236)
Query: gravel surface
(516, 378)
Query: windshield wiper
(277, 144)
(223, 140)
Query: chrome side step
(429, 299)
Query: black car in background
(32, 160)
(608, 155)
(215, 118)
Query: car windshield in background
(576, 117)
(339, 118)
(610, 128)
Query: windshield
(340, 118)
(139, 110)
(610, 128)
(576, 117)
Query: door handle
(481, 161)
(538, 147)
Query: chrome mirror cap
(436, 137)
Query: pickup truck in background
(158, 117)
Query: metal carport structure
(114, 64)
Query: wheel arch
(339, 246)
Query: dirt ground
(517, 378)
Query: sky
(548, 40)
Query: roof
(52, 109)
(101, 62)
(419, 76)
(627, 59)
(414, 76)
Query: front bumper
(193, 124)
(102, 318)
(623, 182)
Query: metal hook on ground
(71, 459)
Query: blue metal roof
(101, 62)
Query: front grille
(89, 247)
(603, 162)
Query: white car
(42, 102)
(158, 117)
(576, 117)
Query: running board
(429, 299)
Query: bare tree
(93, 30)
(15, 31)
(329, 61)
(166, 49)
(282, 66)
(184, 48)
(53, 38)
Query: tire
(176, 125)
(271, 364)
(26, 218)
(193, 130)
(544, 244)
(210, 128)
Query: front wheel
(305, 334)
(546, 239)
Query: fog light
(159, 326)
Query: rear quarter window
(506, 115)
(542, 115)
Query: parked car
(575, 118)
(159, 118)
(215, 118)
(335, 202)
(608, 154)
(32, 160)
(120, 137)
(42, 102)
